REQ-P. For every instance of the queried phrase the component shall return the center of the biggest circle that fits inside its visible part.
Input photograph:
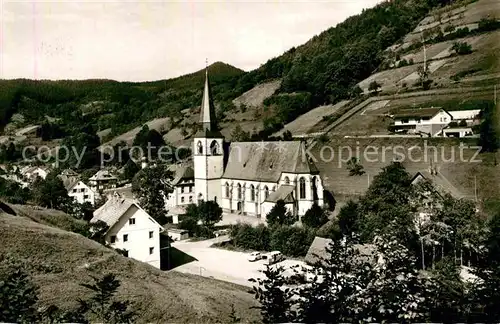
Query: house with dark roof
(425, 121)
(130, 228)
(246, 178)
(182, 185)
(102, 180)
(80, 192)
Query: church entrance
(238, 206)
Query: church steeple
(207, 117)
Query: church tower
(208, 152)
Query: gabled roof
(419, 112)
(266, 161)
(183, 173)
(112, 211)
(103, 175)
(284, 193)
(70, 183)
(440, 183)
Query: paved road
(222, 264)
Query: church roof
(207, 118)
(265, 161)
(284, 193)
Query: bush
(252, 238)
(292, 241)
(315, 217)
(461, 48)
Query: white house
(183, 187)
(468, 115)
(245, 177)
(428, 121)
(31, 173)
(131, 229)
(80, 192)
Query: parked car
(254, 256)
(221, 232)
(274, 257)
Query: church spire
(207, 107)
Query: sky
(151, 40)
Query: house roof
(125, 191)
(440, 183)
(317, 251)
(114, 209)
(265, 161)
(183, 173)
(284, 193)
(419, 112)
(70, 183)
(103, 175)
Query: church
(245, 178)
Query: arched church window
(252, 193)
(227, 190)
(315, 188)
(302, 188)
(214, 148)
(266, 192)
(239, 191)
(200, 147)
(200, 198)
(287, 180)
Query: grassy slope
(59, 261)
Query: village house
(131, 229)
(440, 186)
(435, 121)
(31, 173)
(428, 121)
(80, 192)
(102, 180)
(246, 178)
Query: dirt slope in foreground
(59, 261)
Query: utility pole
(475, 188)
(425, 52)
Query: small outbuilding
(177, 234)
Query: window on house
(227, 190)
(85, 196)
(182, 189)
(82, 190)
(266, 192)
(190, 199)
(239, 191)
(182, 199)
(287, 180)
(131, 221)
(150, 234)
(302, 188)
(113, 238)
(74, 190)
(151, 250)
(200, 147)
(125, 237)
(190, 188)
(252, 193)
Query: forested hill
(323, 70)
(110, 104)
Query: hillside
(323, 71)
(59, 261)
